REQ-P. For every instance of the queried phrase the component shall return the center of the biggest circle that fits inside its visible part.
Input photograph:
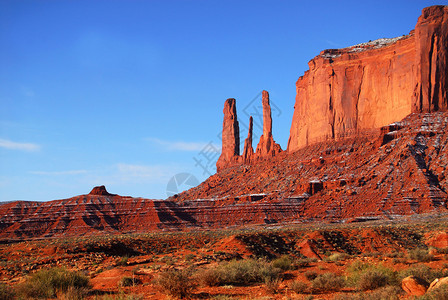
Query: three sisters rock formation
(349, 90)
(230, 154)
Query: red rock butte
(373, 84)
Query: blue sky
(129, 93)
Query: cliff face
(372, 84)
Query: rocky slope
(398, 170)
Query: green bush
(304, 262)
(49, 283)
(283, 263)
(176, 283)
(299, 287)
(421, 255)
(367, 276)
(335, 257)
(123, 261)
(128, 281)
(384, 293)
(239, 272)
(310, 275)
(423, 272)
(6, 293)
(328, 282)
(372, 279)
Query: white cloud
(7, 144)
(185, 146)
(51, 173)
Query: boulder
(414, 286)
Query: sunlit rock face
(373, 84)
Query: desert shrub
(367, 276)
(304, 262)
(328, 282)
(442, 250)
(372, 279)
(189, 257)
(239, 272)
(335, 257)
(384, 293)
(49, 283)
(128, 281)
(421, 255)
(123, 261)
(310, 275)
(395, 255)
(6, 292)
(299, 287)
(176, 283)
(272, 285)
(283, 263)
(423, 272)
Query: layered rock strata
(373, 84)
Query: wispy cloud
(333, 44)
(52, 173)
(180, 145)
(7, 144)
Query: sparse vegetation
(421, 255)
(328, 282)
(284, 263)
(127, 281)
(239, 272)
(365, 276)
(53, 282)
(422, 271)
(299, 287)
(176, 283)
(6, 293)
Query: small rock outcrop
(267, 147)
(414, 285)
(248, 152)
(230, 136)
(373, 84)
(437, 283)
(100, 191)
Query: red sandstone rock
(267, 147)
(414, 286)
(431, 42)
(100, 191)
(230, 136)
(437, 283)
(248, 152)
(439, 241)
(373, 84)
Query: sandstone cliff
(373, 84)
